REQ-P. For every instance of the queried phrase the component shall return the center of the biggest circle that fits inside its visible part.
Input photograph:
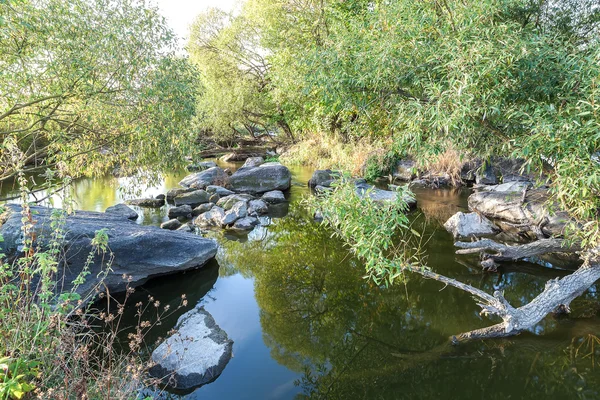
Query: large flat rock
(140, 252)
(261, 179)
(195, 354)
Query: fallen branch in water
(504, 252)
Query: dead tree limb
(504, 252)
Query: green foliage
(380, 165)
(86, 85)
(371, 230)
(513, 78)
(14, 377)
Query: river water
(305, 324)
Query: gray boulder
(171, 224)
(181, 211)
(214, 217)
(149, 203)
(201, 166)
(246, 223)
(193, 199)
(274, 197)
(200, 180)
(252, 162)
(202, 208)
(239, 210)
(214, 198)
(505, 206)
(122, 210)
(140, 252)
(171, 194)
(463, 225)
(228, 201)
(257, 207)
(195, 354)
(322, 177)
(221, 191)
(264, 178)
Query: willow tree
(86, 85)
(236, 102)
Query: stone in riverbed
(195, 354)
(123, 210)
(246, 223)
(149, 203)
(252, 162)
(258, 207)
(193, 199)
(221, 191)
(202, 208)
(139, 251)
(214, 217)
(171, 224)
(171, 194)
(228, 201)
(200, 180)
(463, 225)
(239, 210)
(261, 179)
(214, 198)
(181, 211)
(274, 197)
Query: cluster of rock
(322, 180)
(513, 208)
(475, 172)
(214, 197)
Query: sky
(181, 13)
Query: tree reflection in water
(353, 339)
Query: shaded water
(306, 324)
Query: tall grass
(52, 344)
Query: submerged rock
(195, 354)
(463, 225)
(122, 210)
(140, 252)
(264, 178)
(150, 203)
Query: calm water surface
(305, 323)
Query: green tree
(86, 85)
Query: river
(305, 324)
